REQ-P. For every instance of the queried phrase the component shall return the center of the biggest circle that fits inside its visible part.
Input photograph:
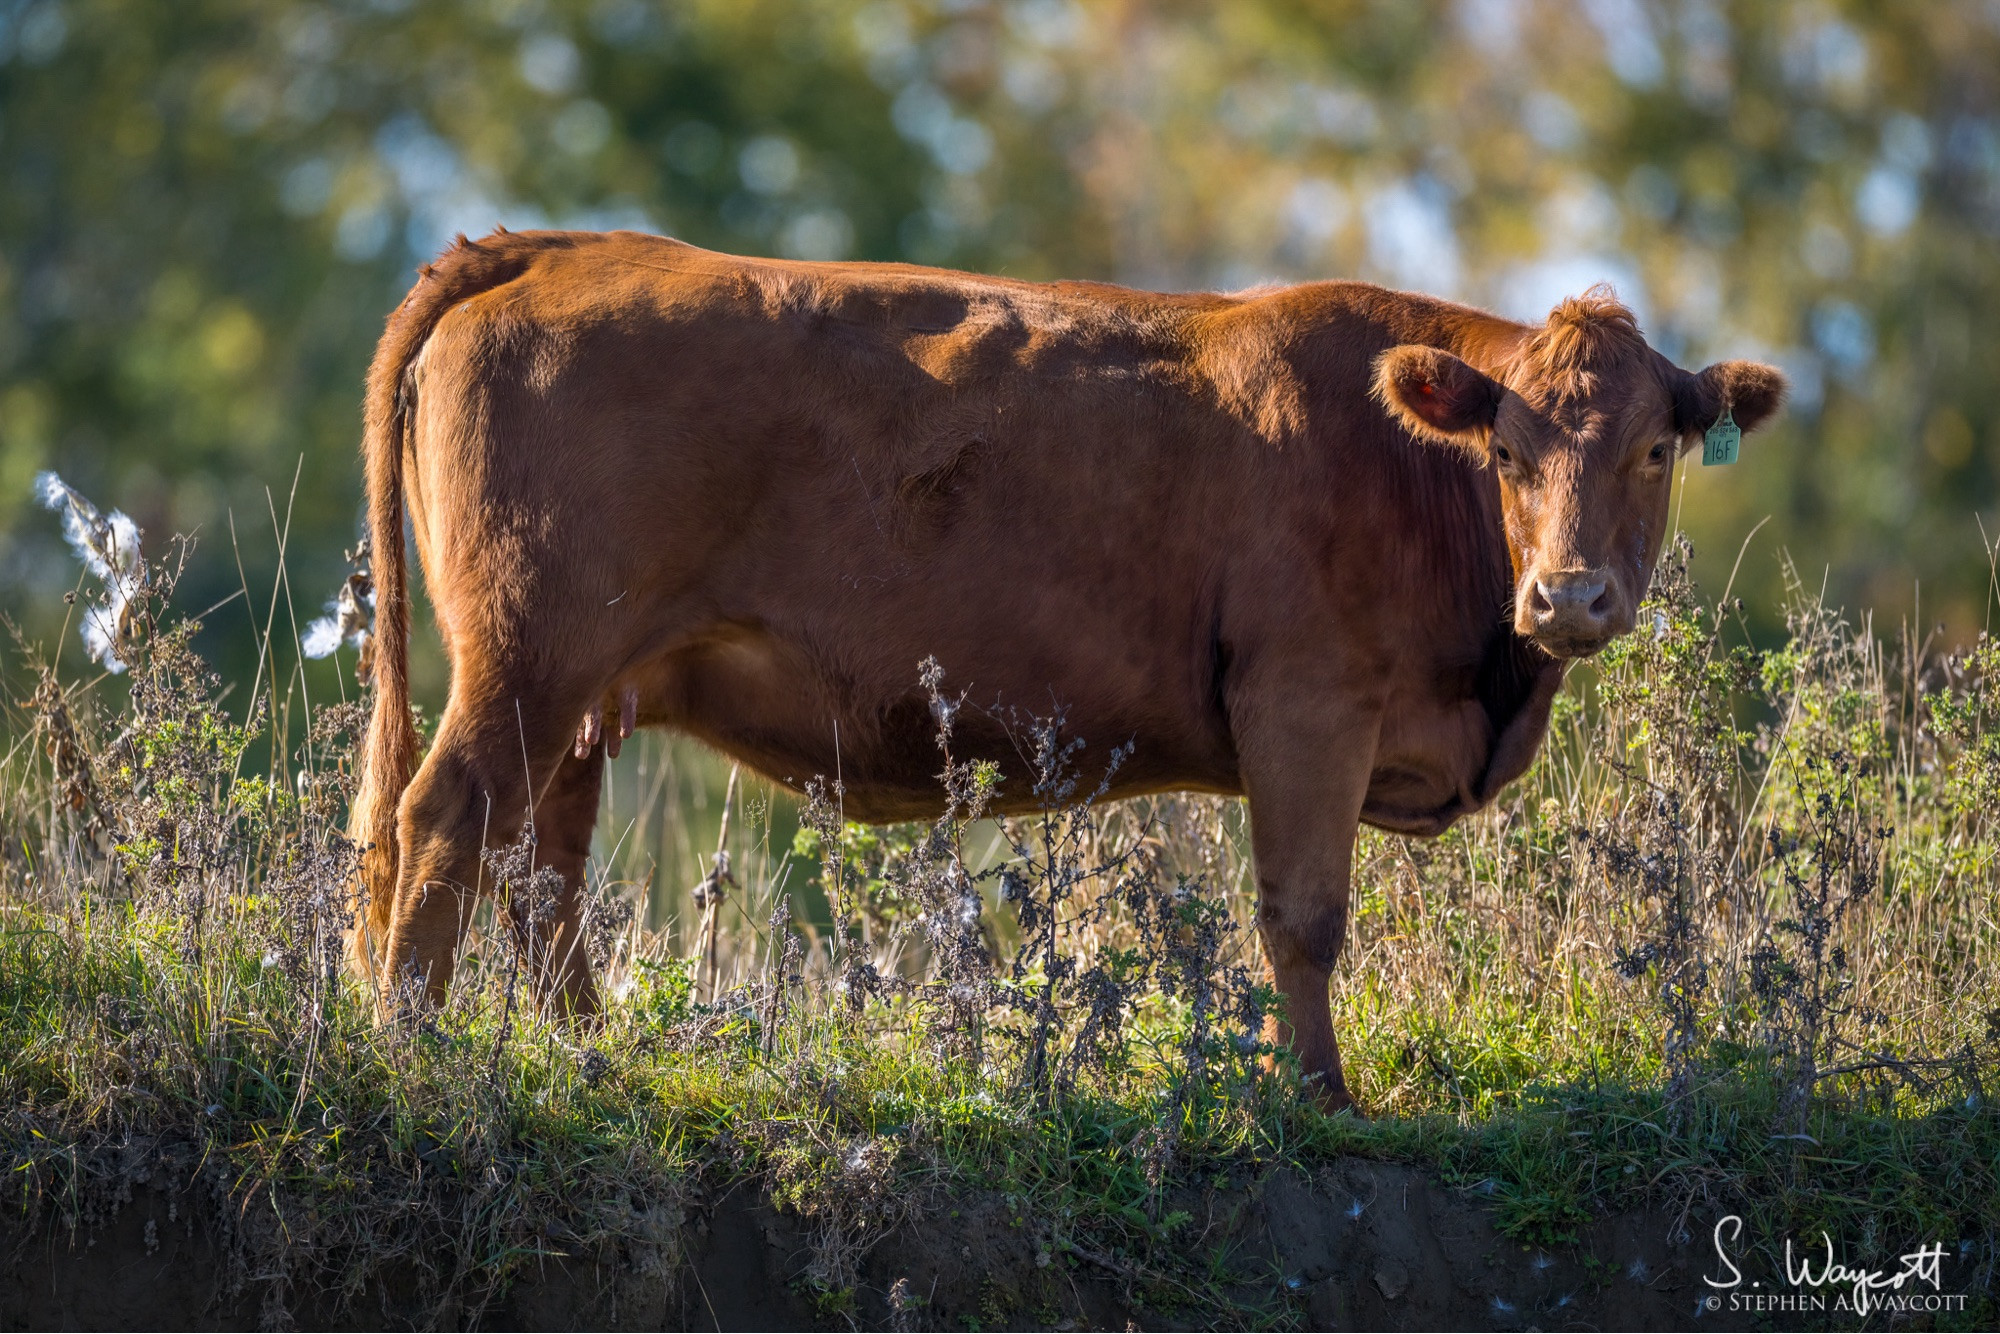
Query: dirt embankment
(1357, 1245)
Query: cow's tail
(389, 761)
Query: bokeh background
(207, 207)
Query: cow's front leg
(1306, 779)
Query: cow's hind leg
(495, 745)
(565, 816)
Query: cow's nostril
(1571, 612)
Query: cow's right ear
(1437, 396)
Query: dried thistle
(108, 546)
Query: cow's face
(1583, 424)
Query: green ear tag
(1719, 444)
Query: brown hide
(757, 493)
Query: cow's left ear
(1437, 396)
(1750, 390)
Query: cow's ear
(1750, 390)
(1437, 396)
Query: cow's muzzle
(1572, 613)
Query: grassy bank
(1730, 947)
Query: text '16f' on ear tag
(1719, 444)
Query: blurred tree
(206, 208)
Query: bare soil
(1356, 1245)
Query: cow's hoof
(1335, 1100)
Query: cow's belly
(771, 704)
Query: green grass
(388, 1140)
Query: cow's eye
(1659, 453)
(1504, 454)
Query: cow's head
(1584, 424)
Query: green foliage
(664, 993)
(873, 855)
(1968, 719)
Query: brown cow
(1271, 538)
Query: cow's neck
(1515, 681)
